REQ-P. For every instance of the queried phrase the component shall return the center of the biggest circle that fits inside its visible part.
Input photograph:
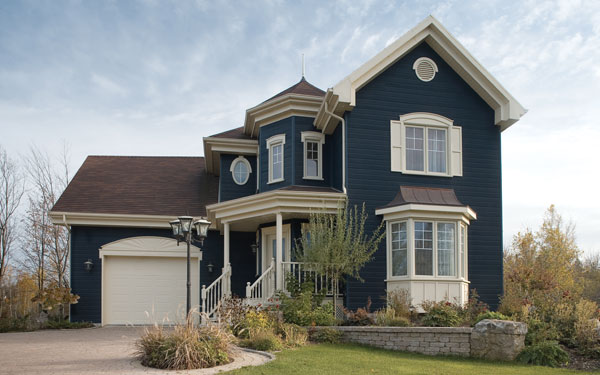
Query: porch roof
(247, 213)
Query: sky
(153, 77)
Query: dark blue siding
(398, 91)
(285, 126)
(334, 155)
(85, 242)
(228, 189)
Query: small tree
(337, 245)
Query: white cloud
(107, 85)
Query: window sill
(428, 278)
(312, 178)
(424, 173)
(275, 181)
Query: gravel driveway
(90, 351)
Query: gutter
(343, 141)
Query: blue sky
(154, 77)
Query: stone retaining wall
(492, 339)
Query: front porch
(275, 218)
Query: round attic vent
(425, 69)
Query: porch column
(226, 267)
(226, 245)
(279, 252)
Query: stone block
(498, 339)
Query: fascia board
(414, 209)
(113, 220)
(507, 109)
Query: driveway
(107, 350)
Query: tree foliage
(541, 268)
(337, 244)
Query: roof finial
(302, 65)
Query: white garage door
(144, 290)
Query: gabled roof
(342, 97)
(138, 185)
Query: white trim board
(342, 96)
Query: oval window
(240, 170)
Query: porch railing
(306, 272)
(213, 295)
(263, 288)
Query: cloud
(108, 85)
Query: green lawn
(356, 359)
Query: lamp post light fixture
(183, 229)
(88, 265)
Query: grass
(357, 359)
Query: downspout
(343, 142)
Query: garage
(144, 281)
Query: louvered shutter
(396, 146)
(456, 148)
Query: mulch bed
(579, 362)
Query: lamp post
(183, 229)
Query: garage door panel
(139, 287)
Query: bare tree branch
(12, 188)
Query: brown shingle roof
(140, 185)
(424, 195)
(301, 88)
(237, 133)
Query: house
(414, 133)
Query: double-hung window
(313, 155)
(275, 145)
(426, 143)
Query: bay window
(427, 251)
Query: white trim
(112, 220)
(240, 159)
(426, 121)
(427, 211)
(279, 108)
(428, 61)
(507, 109)
(148, 246)
(215, 146)
(319, 138)
(272, 202)
(272, 142)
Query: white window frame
(319, 138)
(243, 160)
(273, 141)
(426, 121)
(411, 250)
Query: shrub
(586, 327)
(473, 308)
(292, 335)
(186, 347)
(360, 317)
(539, 331)
(491, 315)
(400, 301)
(546, 353)
(15, 324)
(387, 317)
(262, 339)
(254, 320)
(304, 309)
(325, 335)
(233, 313)
(440, 314)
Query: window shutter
(456, 148)
(396, 146)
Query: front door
(269, 245)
